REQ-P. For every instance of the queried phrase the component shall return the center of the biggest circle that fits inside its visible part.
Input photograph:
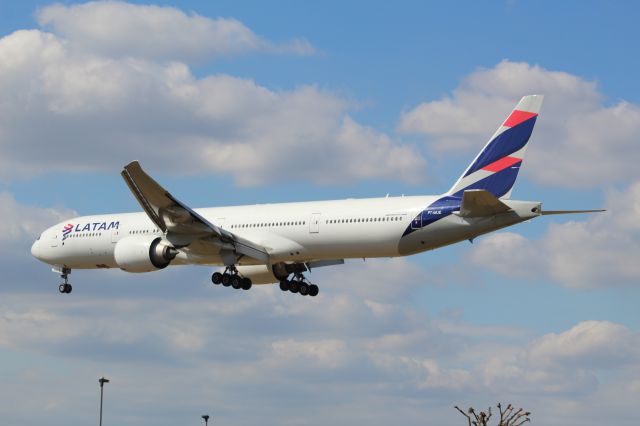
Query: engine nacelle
(143, 253)
(263, 274)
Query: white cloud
(425, 373)
(565, 364)
(119, 29)
(598, 252)
(375, 278)
(68, 111)
(578, 140)
(153, 348)
(22, 223)
(325, 353)
(593, 344)
(507, 253)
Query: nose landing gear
(65, 287)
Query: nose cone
(35, 249)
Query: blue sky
(299, 101)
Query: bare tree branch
(514, 416)
(509, 416)
(472, 411)
(508, 411)
(463, 413)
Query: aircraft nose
(35, 249)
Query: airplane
(280, 243)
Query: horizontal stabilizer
(551, 212)
(480, 203)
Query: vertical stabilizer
(496, 167)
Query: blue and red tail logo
(496, 167)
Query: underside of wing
(182, 225)
(480, 203)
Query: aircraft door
(115, 235)
(314, 223)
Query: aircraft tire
(68, 289)
(226, 280)
(62, 288)
(304, 289)
(216, 278)
(313, 290)
(246, 284)
(294, 286)
(285, 285)
(236, 282)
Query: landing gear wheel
(285, 285)
(226, 280)
(64, 287)
(216, 278)
(294, 286)
(236, 282)
(246, 284)
(304, 289)
(313, 290)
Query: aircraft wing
(480, 202)
(179, 221)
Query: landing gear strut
(230, 277)
(65, 287)
(299, 284)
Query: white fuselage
(290, 232)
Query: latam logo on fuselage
(88, 227)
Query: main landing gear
(299, 284)
(65, 287)
(230, 277)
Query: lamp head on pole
(102, 381)
(206, 418)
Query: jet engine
(263, 274)
(143, 253)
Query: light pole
(102, 381)
(206, 419)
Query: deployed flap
(173, 216)
(480, 202)
(320, 263)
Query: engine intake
(143, 253)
